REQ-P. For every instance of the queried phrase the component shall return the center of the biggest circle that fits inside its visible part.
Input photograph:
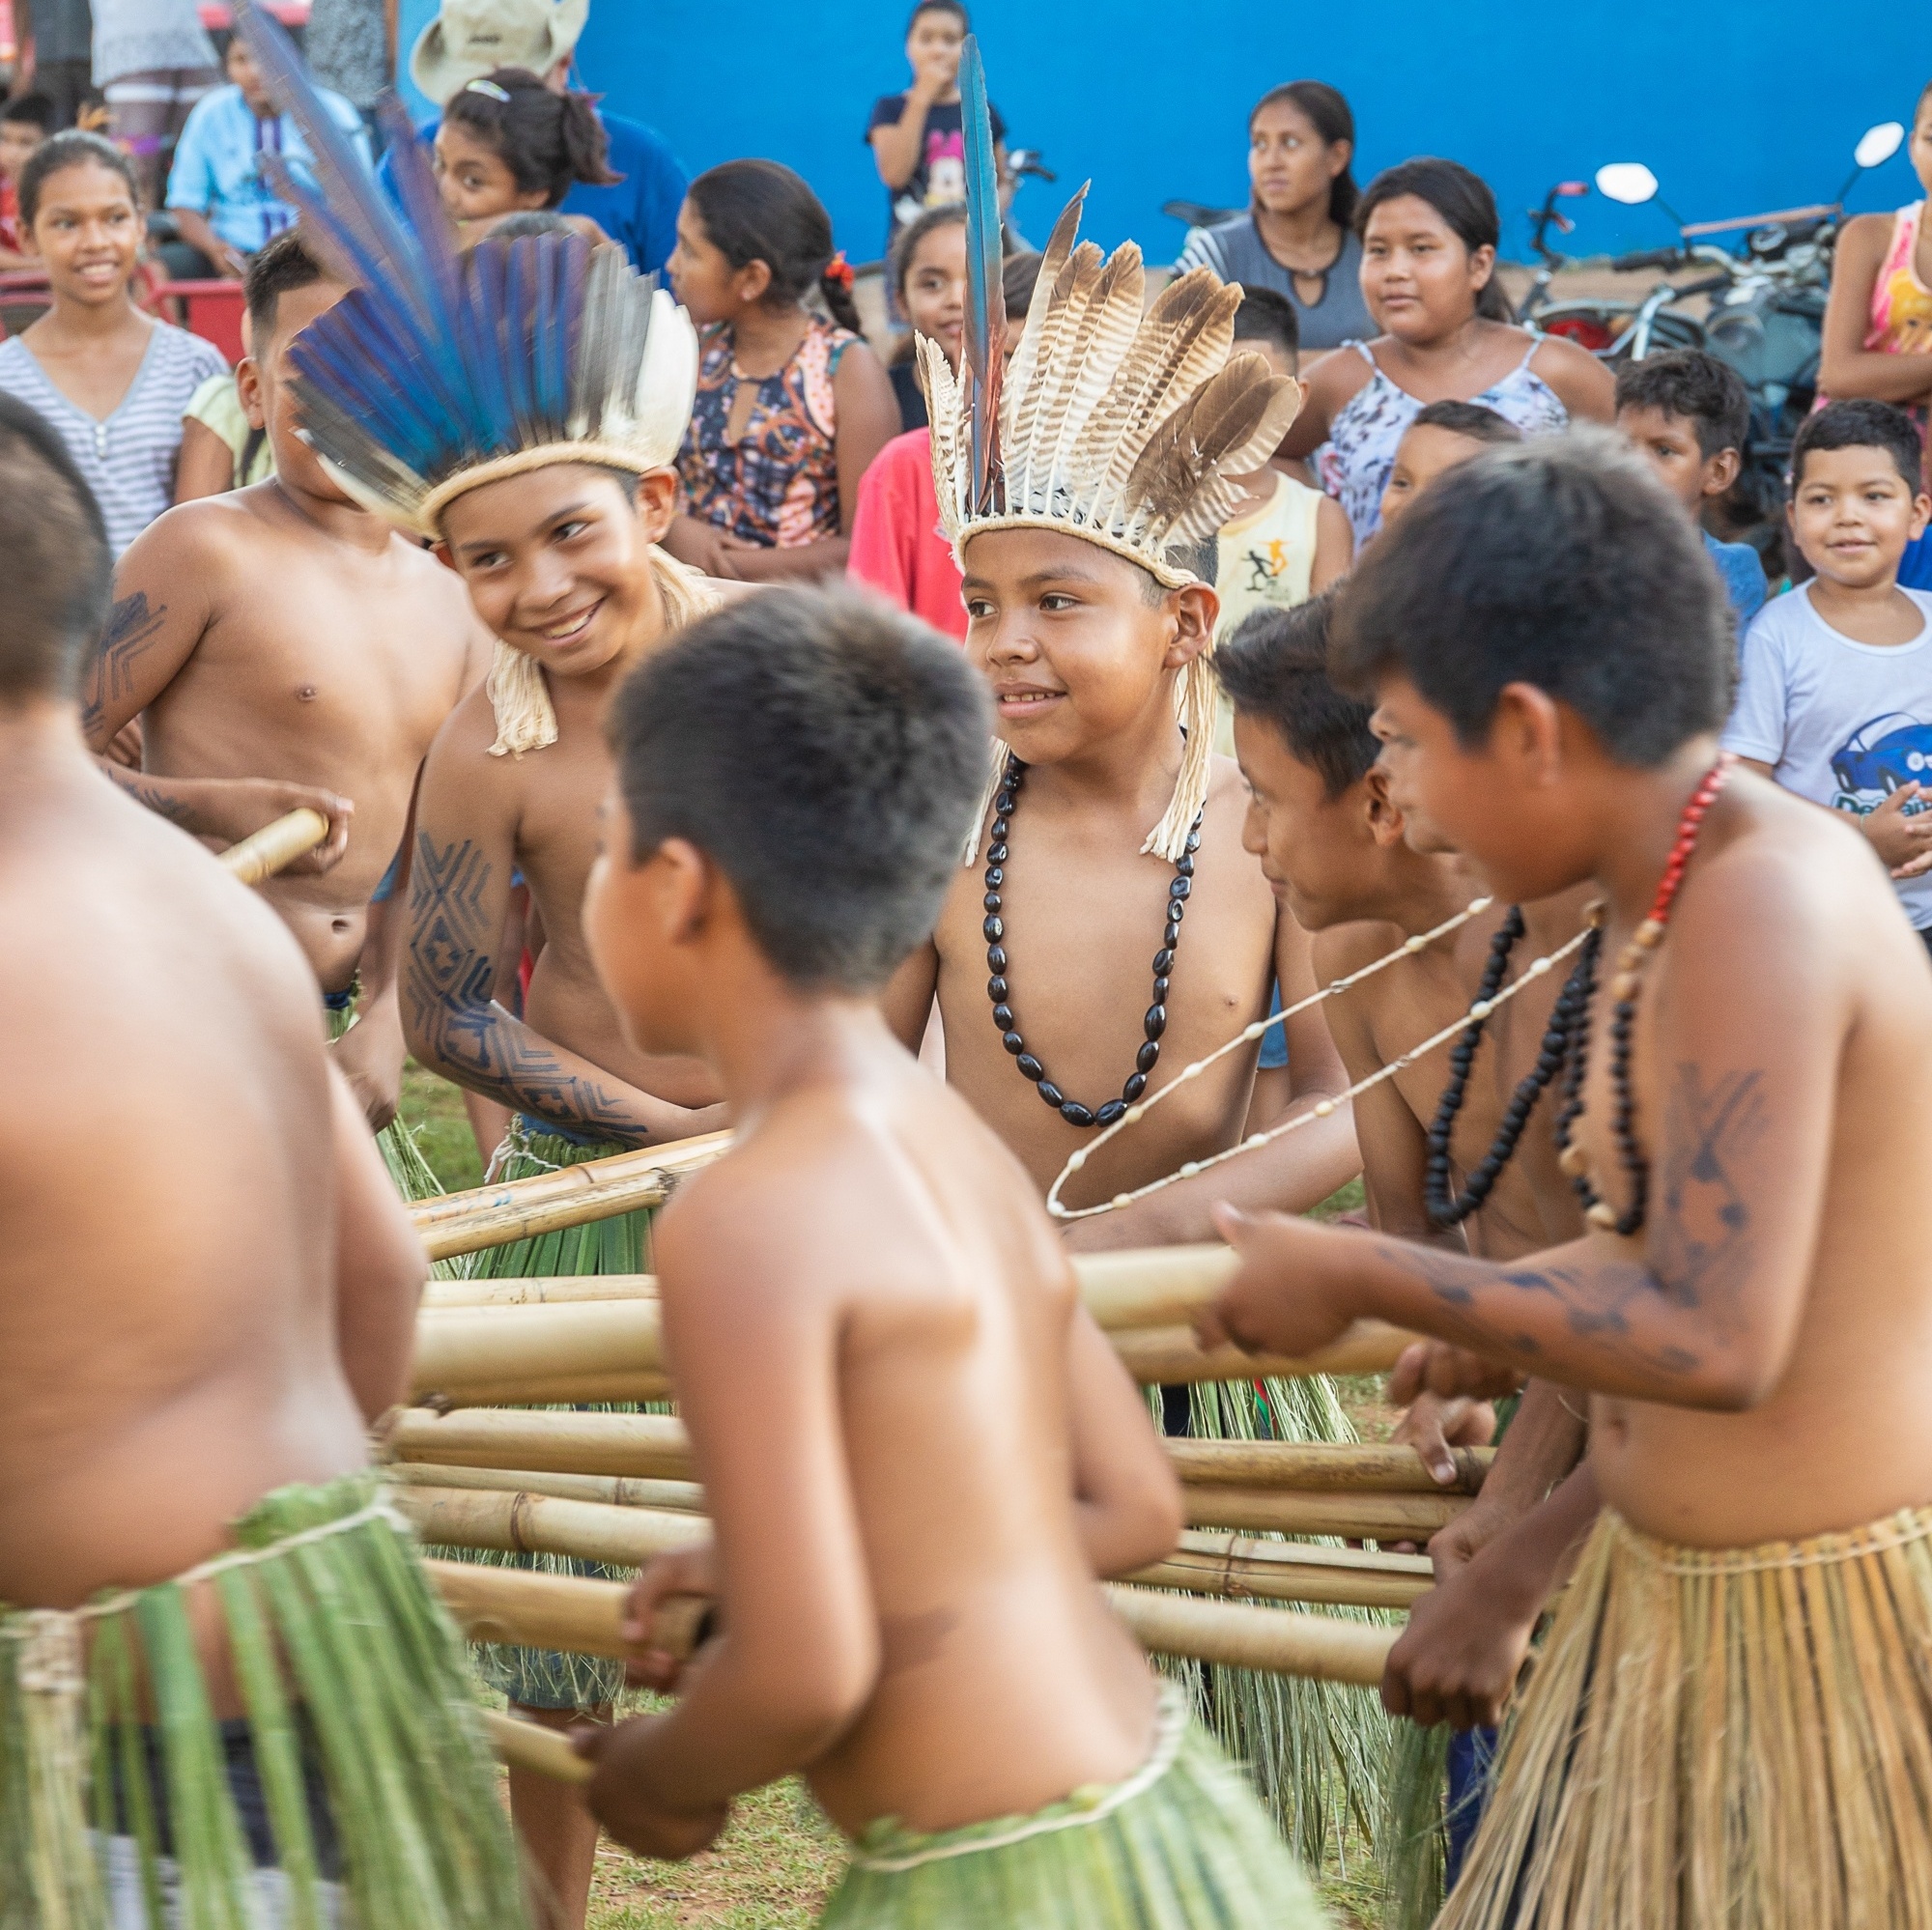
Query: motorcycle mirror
(1629, 181)
(1877, 145)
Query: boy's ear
(1720, 470)
(1386, 823)
(1527, 733)
(656, 502)
(248, 389)
(683, 888)
(1922, 514)
(1195, 610)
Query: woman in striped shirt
(113, 382)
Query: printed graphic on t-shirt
(945, 167)
(1884, 754)
(1264, 563)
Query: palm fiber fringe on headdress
(1123, 428)
(116, 1803)
(1721, 1737)
(445, 370)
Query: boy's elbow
(1147, 1521)
(807, 1703)
(1738, 1380)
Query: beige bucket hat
(468, 37)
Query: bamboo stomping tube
(610, 1490)
(529, 1746)
(529, 1522)
(1369, 1517)
(656, 1447)
(600, 1189)
(562, 1352)
(554, 1611)
(265, 852)
(538, 1289)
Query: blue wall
(1740, 105)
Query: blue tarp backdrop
(1739, 105)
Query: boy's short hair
(1697, 386)
(58, 566)
(1860, 425)
(1275, 667)
(1560, 564)
(826, 752)
(529, 221)
(1472, 420)
(34, 109)
(282, 268)
(952, 7)
(1265, 316)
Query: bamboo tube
(656, 1446)
(265, 852)
(529, 1746)
(1370, 1517)
(650, 1445)
(554, 1611)
(1324, 1467)
(536, 1354)
(1276, 1641)
(1241, 1566)
(539, 1291)
(1169, 1356)
(578, 1389)
(610, 1491)
(524, 1523)
(461, 1223)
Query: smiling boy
(1835, 697)
(1731, 1720)
(283, 627)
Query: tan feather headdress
(1120, 427)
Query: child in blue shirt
(1689, 413)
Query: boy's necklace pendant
(1154, 1023)
(1624, 989)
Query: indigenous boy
(1836, 699)
(918, 1451)
(1731, 1722)
(1689, 413)
(284, 628)
(537, 458)
(184, 1510)
(1339, 853)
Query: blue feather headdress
(441, 370)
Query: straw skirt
(1733, 1738)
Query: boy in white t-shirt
(1286, 542)
(1835, 700)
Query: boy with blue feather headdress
(519, 407)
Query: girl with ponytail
(1429, 232)
(791, 408)
(508, 144)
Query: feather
(1112, 321)
(1019, 377)
(1062, 329)
(985, 331)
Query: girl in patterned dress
(1429, 232)
(790, 409)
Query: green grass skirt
(1182, 1845)
(1319, 1752)
(338, 1641)
(537, 1678)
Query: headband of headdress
(1120, 427)
(442, 370)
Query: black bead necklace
(1153, 1024)
(1447, 1208)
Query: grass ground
(773, 1867)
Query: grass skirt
(1317, 1751)
(1181, 1845)
(343, 1654)
(535, 1677)
(1732, 1738)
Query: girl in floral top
(790, 409)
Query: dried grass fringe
(1728, 1740)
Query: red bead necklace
(1624, 989)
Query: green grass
(433, 1110)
